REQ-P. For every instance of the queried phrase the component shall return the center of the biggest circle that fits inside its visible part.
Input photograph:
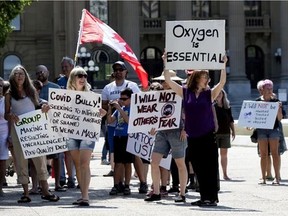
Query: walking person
(200, 127)
(225, 129)
(81, 150)
(22, 98)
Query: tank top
(22, 106)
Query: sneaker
(127, 191)
(71, 184)
(205, 203)
(173, 189)
(191, 186)
(105, 162)
(153, 197)
(143, 188)
(62, 183)
(111, 173)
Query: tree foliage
(8, 11)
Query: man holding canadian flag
(94, 30)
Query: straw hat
(173, 76)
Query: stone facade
(49, 31)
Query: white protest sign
(75, 114)
(258, 114)
(195, 44)
(34, 137)
(154, 109)
(141, 145)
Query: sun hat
(173, 76)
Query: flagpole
(79, 35)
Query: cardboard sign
(75, 114)
(34, 137)
(155, 109)
(141, 144)
(195, 44)
(258, 114)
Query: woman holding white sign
(81, 150)
(22, 98)
(200, 127)
(269, 137)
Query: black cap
(120, 63)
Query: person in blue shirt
(67, 64)
(122, 158)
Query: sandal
(51, 197)
(77, 201)
(275, 182)
(84, 202)
(24, 199)
(262, 182)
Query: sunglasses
(118, 69)
(124, 99)
(81, 76)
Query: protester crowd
(206, 128)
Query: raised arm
(216, 90)
(173, 85)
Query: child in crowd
(122, 158)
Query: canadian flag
(94, 30)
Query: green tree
(8, 11)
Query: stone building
(256, 38)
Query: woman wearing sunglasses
(81, 150)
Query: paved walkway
(241, 196)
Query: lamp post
(85, 61)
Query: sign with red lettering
(195, 44)
(258, 114)
(155, 109)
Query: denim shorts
(268, 133)
(75, 144)
(170, 139)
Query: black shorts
(120, 153)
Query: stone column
(131, 32)
(183, 10)
(238, 85)
(284, 43)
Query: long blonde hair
(71, 84)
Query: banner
(195, 44)
(75, 114)
(34, 137)
(258, 114)
(141, 145)
(155, 109)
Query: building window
(151, 9)
(201, 8)
(9, 63)
(99, 8)
(15, 23)
(252, 8)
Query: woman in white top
(22, 98)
